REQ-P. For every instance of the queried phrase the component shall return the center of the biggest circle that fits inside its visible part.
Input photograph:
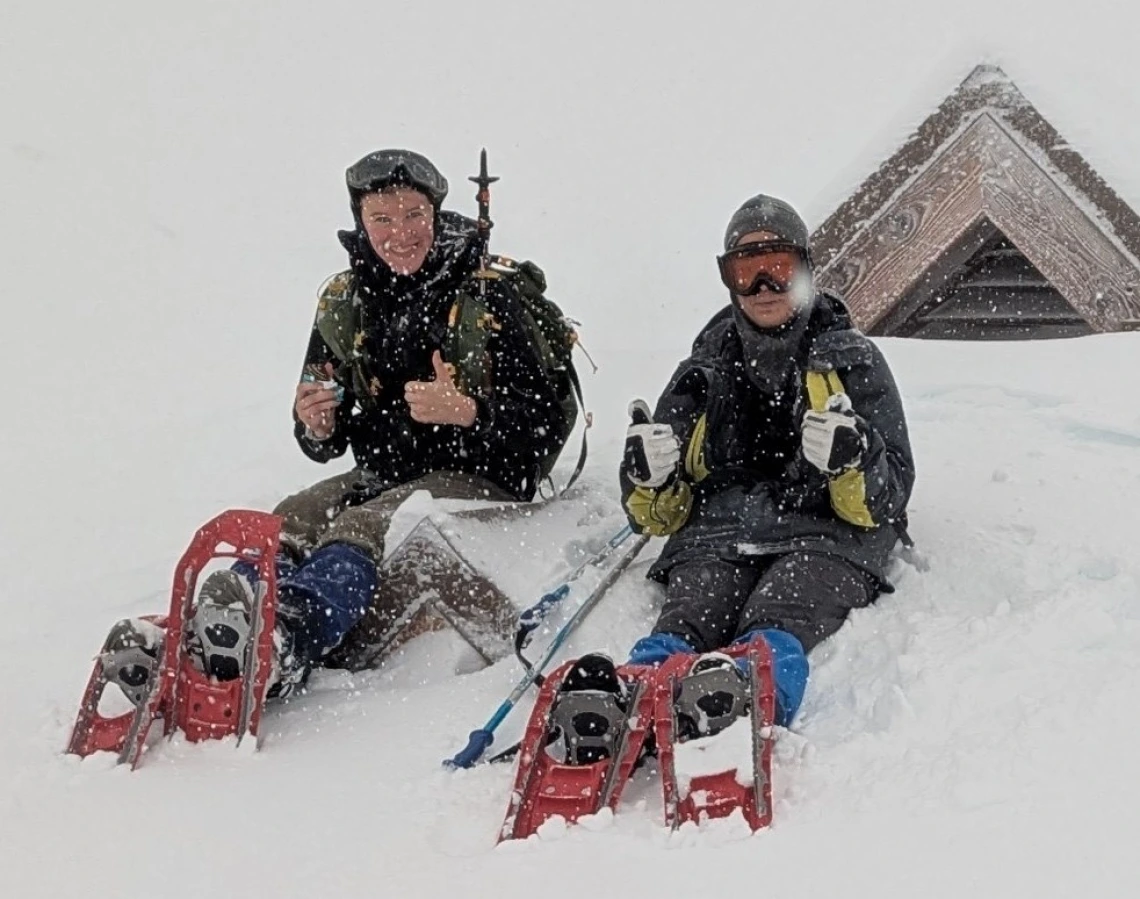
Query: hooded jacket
(745, 490)
(404, 319)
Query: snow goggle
(384, 167)
(773, 264)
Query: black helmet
(764, 213)
(386, 167)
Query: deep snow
(170, 186)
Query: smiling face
(400, 223)
(767, 309)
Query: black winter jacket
(404, 319)
(760, 497)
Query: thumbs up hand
(835, 439)
(652, 451)
(438, 402)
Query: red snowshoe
(713, 727)
(149, 658)
(711, 721)
(600, 717)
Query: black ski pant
(806, 594)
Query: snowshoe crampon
(148, 658)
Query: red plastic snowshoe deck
(718, 795)
(545, 788)
(185, 698)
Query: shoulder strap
(337, 318)
(469, 328)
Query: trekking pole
(480, 740)
(483, 224)
(529, 620)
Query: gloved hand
(652, 451)
(834, 440)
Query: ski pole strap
(536, 614)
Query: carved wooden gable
(985, 224)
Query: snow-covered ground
(169, 186)
(975, 731)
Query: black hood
(404, 317)
(769, 357)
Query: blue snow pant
(796, 601)
(320, 599)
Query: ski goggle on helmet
(774, 264)
(385, 167)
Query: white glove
(833, 440)
(652, 451)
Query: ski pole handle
(640, 413)
(477, 743)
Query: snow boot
(590, 711)
(220, 632)
(710, 697)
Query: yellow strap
(695, 454)
(848, 490)
(818, 390)
(849, 498)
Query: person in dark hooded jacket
(382, 386)
(777, 462)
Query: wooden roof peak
(985, 153)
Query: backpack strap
(469, 328)
(587, 423)
(337, 319)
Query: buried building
(985, 224)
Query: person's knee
(359, 527)
(807, 595)
(703, 602)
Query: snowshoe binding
(129, 658)
(590, 711)
(220, 633)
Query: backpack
(470, 324)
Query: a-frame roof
(984, 160)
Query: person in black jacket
(377, 380)
(777, 462)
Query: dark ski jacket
(745, 490)
(404, 319)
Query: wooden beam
(1053, 232)
(985, 175)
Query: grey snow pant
(805, 594)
